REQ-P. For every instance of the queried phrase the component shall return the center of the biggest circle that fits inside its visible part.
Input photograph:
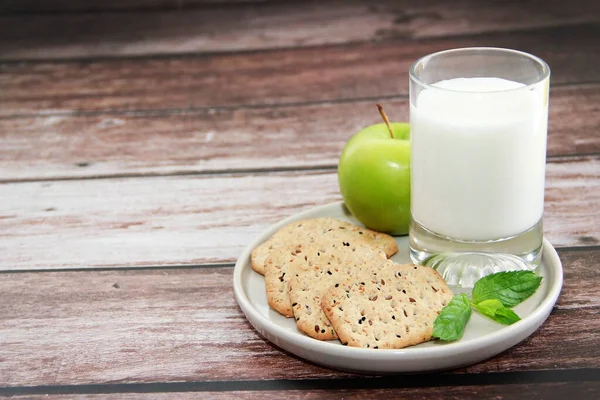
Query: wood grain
(58, 147)
(252, 27)
(547, 391)
(184, 325)
(313, 74)
(198, 219)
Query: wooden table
(144, 143)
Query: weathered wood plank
(547, 391)
(253, 27)
(76, 6)
(368, 70)
(50, 147)
(197, 219)
(74, 327)
(83, 327)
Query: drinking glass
(479, 120)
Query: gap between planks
(236, 172)
(560, 249)
(393, 382)
(225, 172)
(549, 390)
(193, 110)
(140, 268)
(151, 112)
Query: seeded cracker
(394, 310)
(276, 279)
(280, 263)
(302, 233)
(316, 270)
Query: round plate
(482, 339)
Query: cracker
(318, 270)
(392, 311)
(276, 279)
(280, 262)
(318, 230)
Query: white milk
(478, 159)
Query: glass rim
(544, 67)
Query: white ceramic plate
(482, 339)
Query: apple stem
(385, 119)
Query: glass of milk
(479, 120)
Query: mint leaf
(450, 323)
(494, 309)
(506, 316)
(510, 288)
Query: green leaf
(510, 288)
(450, 323)
(494, 309)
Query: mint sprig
(493, 296)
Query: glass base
(462, 263)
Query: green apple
(374, 177)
